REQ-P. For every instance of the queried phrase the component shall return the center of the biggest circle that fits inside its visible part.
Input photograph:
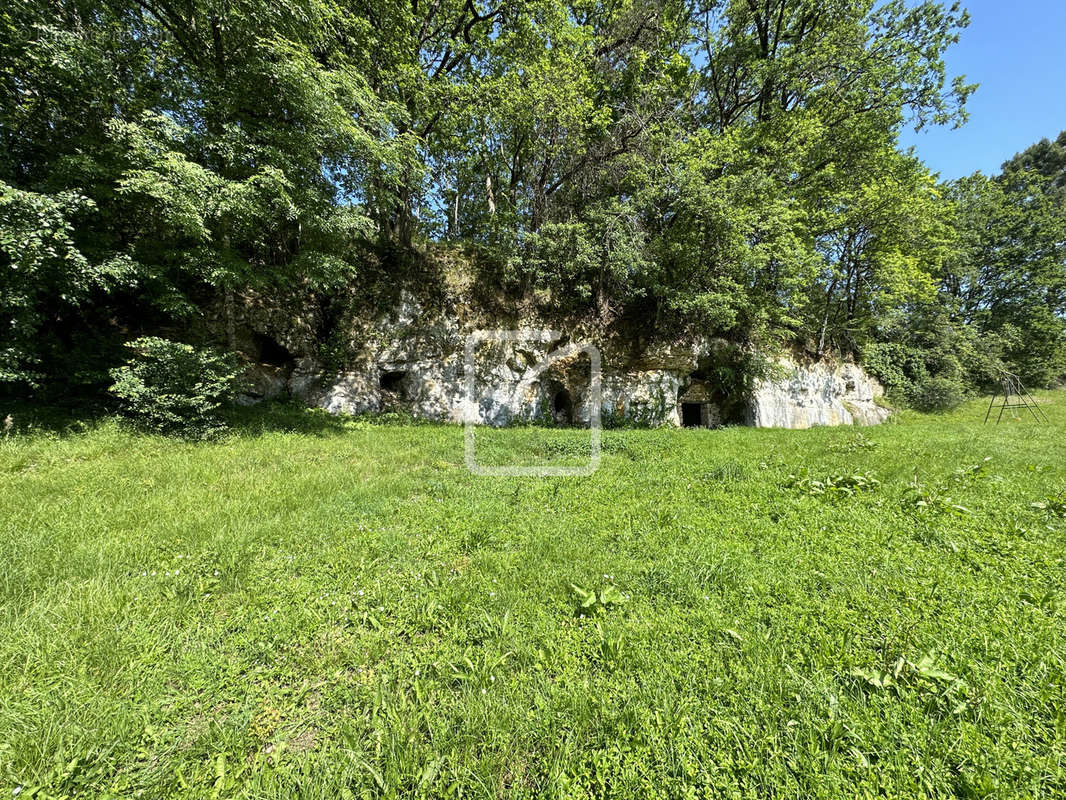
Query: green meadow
(337, 608)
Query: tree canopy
(725, 166)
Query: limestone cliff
(411, 359)
(822, 393)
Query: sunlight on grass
(335, 608)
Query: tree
(726, 167)
(215, 146)
(1046, 159)
(1008, 277)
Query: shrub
(930, 379)
(937, 394)
(175, 388)
(897, 366)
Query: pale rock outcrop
(412, 359)
(821, 393)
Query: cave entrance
(692, 415)
(697, 406)
(563, 408)
(271, 352)
(393, 382)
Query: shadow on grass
(22, 418)
(294, 417)
(66, 418)
(284, 417)
(71, 418)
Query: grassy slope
(343, 610)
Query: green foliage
(833, 486)
(175, 388)
(922, 500)
(1002, 298)
(729, 170)
(1011, 281)
(1044, 161)
(1053, 506)
(199, 148)
(596, 601)
(856, 444)
(597, 153)
(936, 377)
(925, 676)
(937, 394)
(42, 272)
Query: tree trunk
(231, 319)
(825, 317)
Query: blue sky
(1016, 50)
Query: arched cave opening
(271, 352)
(699, 404)
(727, 375)
(562, 407)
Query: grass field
(331, 608)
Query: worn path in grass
(342, 610)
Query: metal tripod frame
(1015, 396)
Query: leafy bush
(937, 394)
(929, 379)
(38, 259)
(175, 388)
(895, 365)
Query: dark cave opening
(692, 415)
(271, 351)
(393, 382)
(563, 408)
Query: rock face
(805, 396)
(413, 360)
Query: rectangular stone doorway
(692, 415)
